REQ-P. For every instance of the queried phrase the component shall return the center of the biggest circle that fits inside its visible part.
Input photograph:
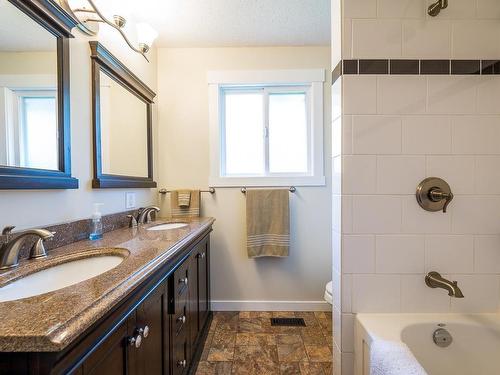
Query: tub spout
(435, 280)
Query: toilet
(328, 293)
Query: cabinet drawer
(180, 353)
(180, 319)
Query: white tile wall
(399, 174)
(413, 128)
(400, 254)
(358, 254)
(401, 96)
(449, 253)
(376, 135)
(415, 135)
(486, 254)
(397, 130)
(467, 29)
(426, 39)
(400, 9)
(376, 293)
(488, 9)
(367, 34)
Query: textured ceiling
(211, 23)
(18, 32)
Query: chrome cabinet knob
(184, 280)
(144, 331)
(182, 319)
(135, 341)
(182, 363)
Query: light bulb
(145, 36)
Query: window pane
(287, 133)
(244, 133)
(40, 148)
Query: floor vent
(288, 322)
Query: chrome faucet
(9, 252)
(435, 280)
(145, 214)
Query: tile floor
(246, 343)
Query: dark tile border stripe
(373, 66)
(416, 67)
(350, 66)
(465, 67)
(404, 67)
(435, 67)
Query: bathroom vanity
(148, 315)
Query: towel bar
(292, 189)
(210, 190)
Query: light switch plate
(129, 200)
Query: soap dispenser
(96, 225)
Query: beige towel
(193, 210)
(183, 198)
(268, 222)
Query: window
(38, 131)
(266, 129)
(31, 129)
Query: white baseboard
(271, 306)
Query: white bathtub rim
(389, 326)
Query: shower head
(436, 7)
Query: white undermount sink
(168, 226)
(58, 276)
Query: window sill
(267, 181)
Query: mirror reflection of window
(28, 92)
(123, 130)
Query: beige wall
(28, 62)
(32, 208)
(184, 162)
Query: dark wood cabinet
(160, 328)
(140, 345)
(111, 357)
(152, 322)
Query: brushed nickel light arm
(118, 24)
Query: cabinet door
(113, 356)
(152, 324)
(203, 268)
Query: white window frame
(310, 79)
(15, 124)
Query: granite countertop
(51, 321)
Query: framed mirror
(34, 95)
(122, 119)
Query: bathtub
(475, 349)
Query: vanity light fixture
(89, 17)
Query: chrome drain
(442, 338)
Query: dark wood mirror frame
(55, 20)
(103, 60)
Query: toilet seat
(329, 293)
